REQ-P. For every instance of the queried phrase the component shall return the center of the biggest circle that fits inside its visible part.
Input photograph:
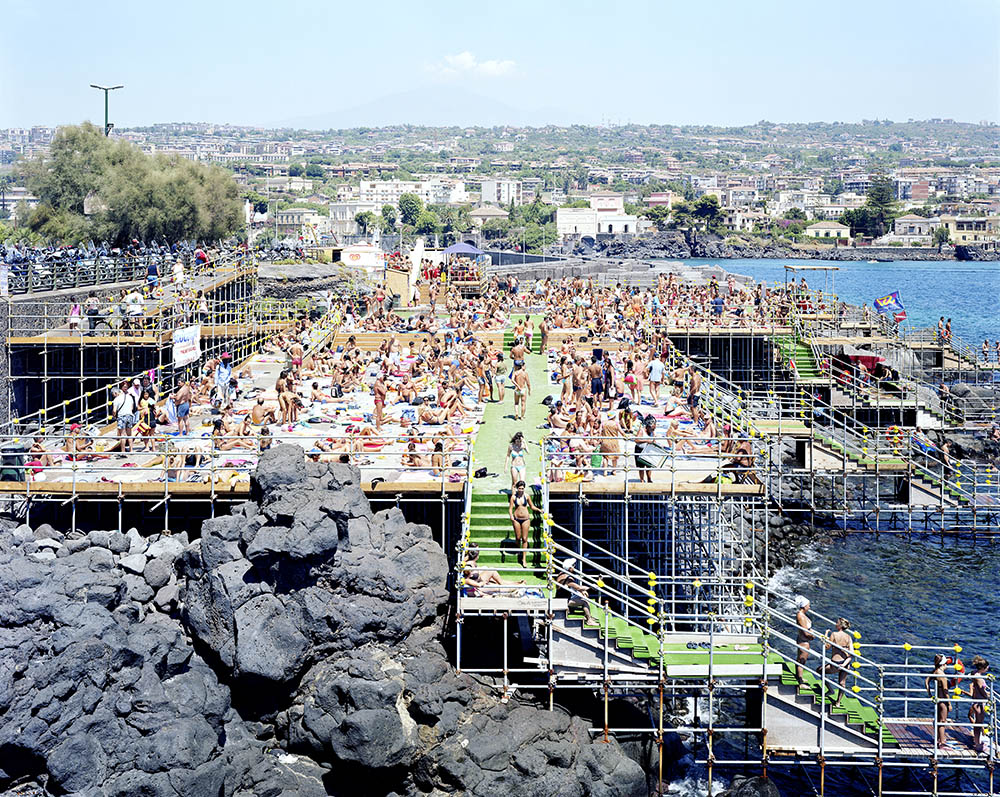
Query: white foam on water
(695, 787)
(791, 579)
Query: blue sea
(963, 291)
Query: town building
(486, 213)
(434, 191)
(502, 192)
(342, 215)
(299, 221)
(827, 229)
(972, 229)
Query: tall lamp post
(106, 89)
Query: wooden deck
(64, 337)
(783, 427)
(918, 739)
(661, 487)
(199, 490)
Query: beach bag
(480, 473)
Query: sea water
(896, 588)
(966, 292)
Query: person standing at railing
(152, 274)
(937, 690)
(182, 401)
(178, 274)
(839, 643)
(126, 410)
(804, 637)
(92, 308)
(223, 376)
(979, 694)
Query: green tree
(410, 207)
(258, 202)
(389, 215)
(798, 214)
(427, 222)
(658, 214)
(881, 201)
(496, 228)
(833, 186)
(576, 203)
(132, 195)
(5, 183)
(365, 220)
(861, 221)
(682, 214)
(296, 170)
(707, 211)
(314, 170)
(941, 237)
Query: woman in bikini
(515, 459)
(803, 639)
(839, 643)
(520, 518)
(937, 690)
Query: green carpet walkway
(490, 525)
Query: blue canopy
(462, 249)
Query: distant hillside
(444, 108)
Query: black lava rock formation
(293, 649)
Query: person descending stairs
(490, 527)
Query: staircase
(684, 655)
(490, 529)
(536, 341)
(800, 353)
(921, 479)
(850, 712)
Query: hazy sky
(712, 62)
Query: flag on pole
(891, 304)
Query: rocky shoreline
(295, 648)
(679, 245)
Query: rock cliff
(293, 649)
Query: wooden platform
(918, 740)
(783, 427)
(659, 488)
(200, 490)
(63, 337)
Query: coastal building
(742, 220)
(662, 198)
(342, 215)
(591, 222)
(434, 191)
(487, 213)
(913, 226)
(502, 192)
(972, 229)
(827, 229)
(292, 221)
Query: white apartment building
(436, 191)
(342, 215)
(502, 192)
(581, 222)
(293, 222)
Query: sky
(335, 63)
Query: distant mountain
(442, 106)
